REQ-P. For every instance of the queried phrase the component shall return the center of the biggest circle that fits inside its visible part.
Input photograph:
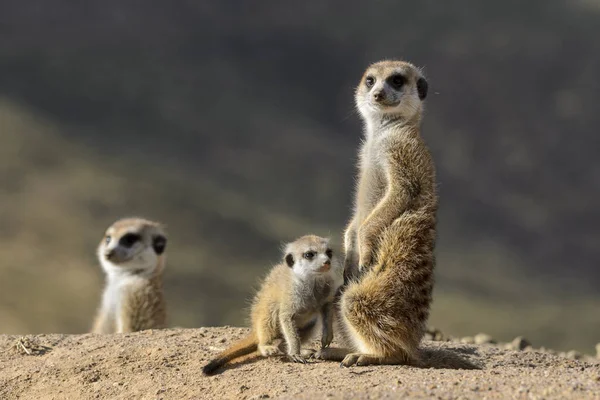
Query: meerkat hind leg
(360, 359)
(332, 353)
(270, 350)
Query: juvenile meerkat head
(132, 245)
(391, 90)
(311, 255)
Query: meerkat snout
(326, 266)
(378, 96)
(110, 255)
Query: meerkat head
(133, 245)
(391, 90)
(310, 255)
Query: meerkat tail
(241, 348)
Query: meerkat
(295, 294)
(389, 242)
(132, 254)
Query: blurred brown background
(232, 122)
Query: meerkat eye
(397, 81)
(309, 255)
(129, 239)
(107, 239)
(369, 81)
(329, 253)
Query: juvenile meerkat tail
(245, 346)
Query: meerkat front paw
(366, 256)
(350, 267)
(366, 260)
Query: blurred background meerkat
(132, 254)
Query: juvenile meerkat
(390, 239)
(294, 295)
(132, 254)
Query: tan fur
(292, 298)
(390, 240)
(133, 298)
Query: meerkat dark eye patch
(396, 81)
(129, 239)
(159, 243)
(329, 253)
(107, 239)
(289, 260)
(309, 255)
(422, 88)
(369, 81)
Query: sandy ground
(167, 365)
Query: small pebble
(520, 343)
(482, 338)
(467, 340)
(573, 355)
(598, 351)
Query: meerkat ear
(159, 243)
(289, 259)
(422, 87)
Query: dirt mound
(167, 364)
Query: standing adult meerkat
(293, 296)
(390, 240)
(132, 254)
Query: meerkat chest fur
(310, 294)
(372, 181)
(119, 284)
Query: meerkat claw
(297, 358)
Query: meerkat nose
(327, 262)
(378, 96)
(110, 254)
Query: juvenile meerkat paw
(307, 353)
(326, 339)
(297, 358)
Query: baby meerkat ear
(289, 259)
(422, 87)
(159, 243)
